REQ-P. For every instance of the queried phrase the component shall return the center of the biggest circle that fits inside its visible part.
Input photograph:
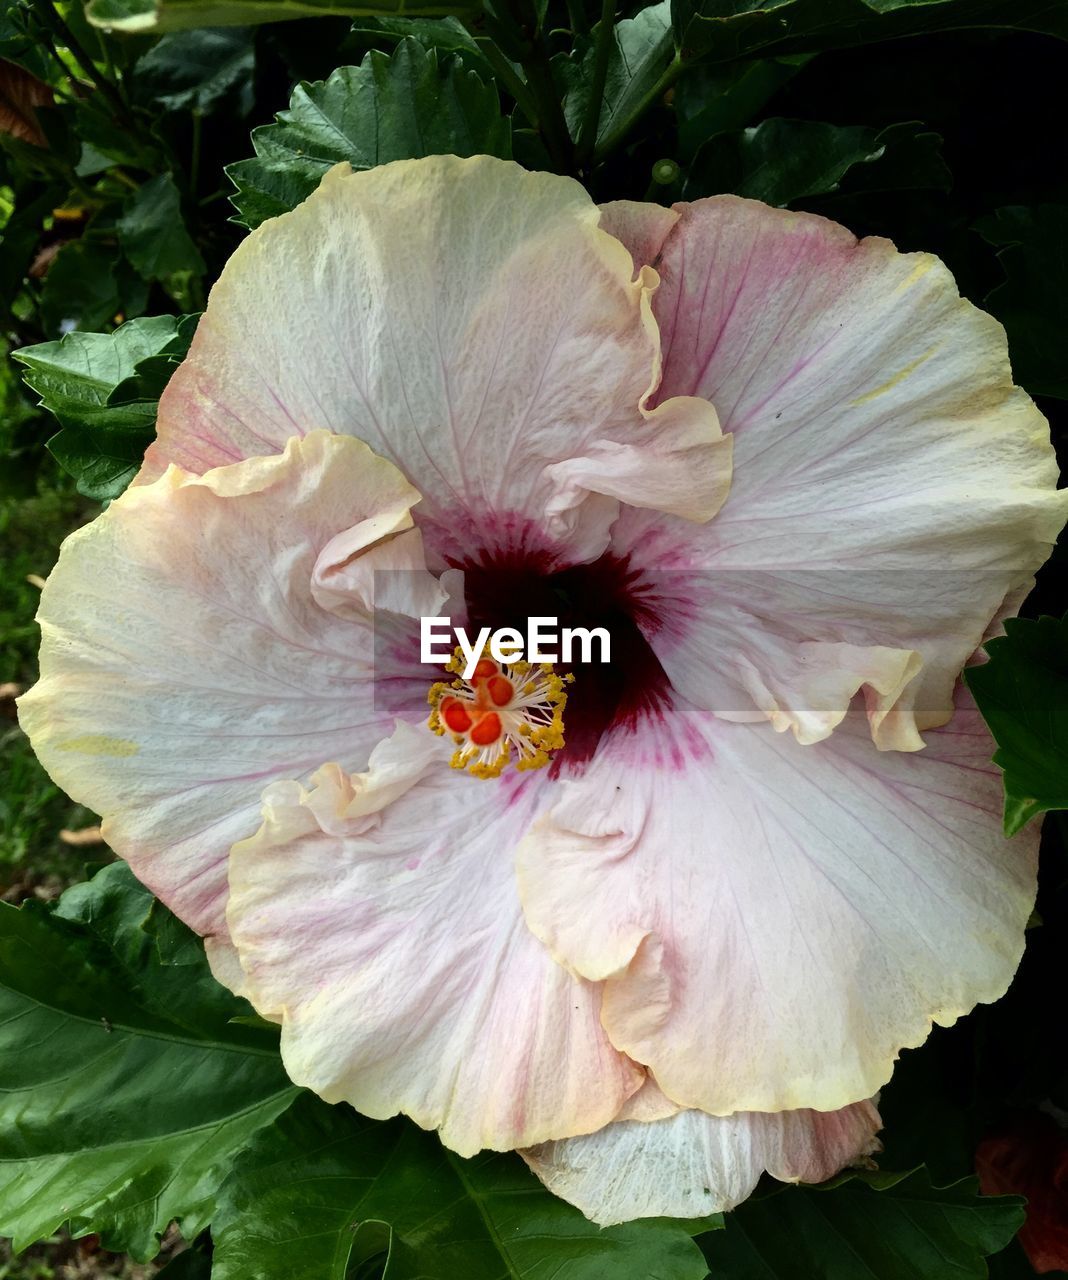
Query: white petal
(186, 659)
(774, 923)
(472, 323)
(891, 487)
(690, 1164)
(377, 919)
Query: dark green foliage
(1023, 695)
(200, 70)
(783, 161)
(170, 15)
(727, 29)
(153, 235)
(1031, 302)
(879, 1226)
(128, 1090)
(323, 1189)
(641, 50)
(389, 108)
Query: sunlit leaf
(388, 108)
(323, 1189)
(127, 1089)
(103, 389)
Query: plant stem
(602, 51)
(522, 35)
(51, 15)
(510, 78)
(576, 14)
(194, 159)
(551, 121)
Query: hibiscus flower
(760, 852)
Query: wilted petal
(891, 487)
(776, 922)
(20, 94)
(186, 661)
(472, 323)
(690, 1164)
(377, 918)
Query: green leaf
(199, 70)
(642, 49)
(153, 371)
(105, 458)
(154, 237)
(782, 161)
(447, 35)
(910, 160)
(388, 108)
(1023, 695)
(85, 288)
(711, 99)
(175, 15)
(1030, 304)
(104, 136)
(128, 1091)
(79, 372)
(103, 389)
(324, 1189)
(18, 45)
(883, 1226)
(724, 30)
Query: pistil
(506, 713)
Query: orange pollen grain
(487, 730)
(484, 669)
(455, 715)
(501, 690)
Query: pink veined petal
(377, 919)
(474, 325)
(641, 227)
(891, 488)
(690, 1164)
(187, 656)
(774, 923)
